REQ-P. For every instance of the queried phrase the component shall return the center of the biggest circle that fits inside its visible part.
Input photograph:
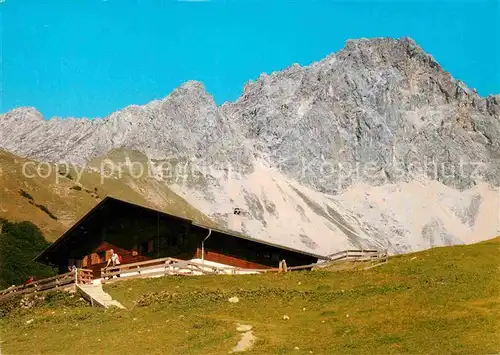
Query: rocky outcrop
(379, 111)
(379, 118)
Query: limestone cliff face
(375, 145)
(381, 102)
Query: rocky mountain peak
(380, 51)
(23, 113)
(191, 86)
(190, 93)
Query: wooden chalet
(138, 233)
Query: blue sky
(88, 58)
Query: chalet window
(102, 256)
(150, 246)
(275, 257)
(181, 240)
(267, 255)
(134, 250)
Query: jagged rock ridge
(305, 151)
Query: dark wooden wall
(229, 250)
(218, 257)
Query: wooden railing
(84, 276)
(360, 255)
(163, 267)
(173, 266)
(81, 276)
(357, 253)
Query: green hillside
(53, 197)
(440, 301)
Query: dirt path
(247, 339)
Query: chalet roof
(109, 199)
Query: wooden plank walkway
(97, 297)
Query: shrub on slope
(20, 243)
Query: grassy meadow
(440, 301)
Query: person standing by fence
(115, 260)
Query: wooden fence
(81, 276)
(358, 254)
(172, 266)
(84, 276)
(168, 266)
